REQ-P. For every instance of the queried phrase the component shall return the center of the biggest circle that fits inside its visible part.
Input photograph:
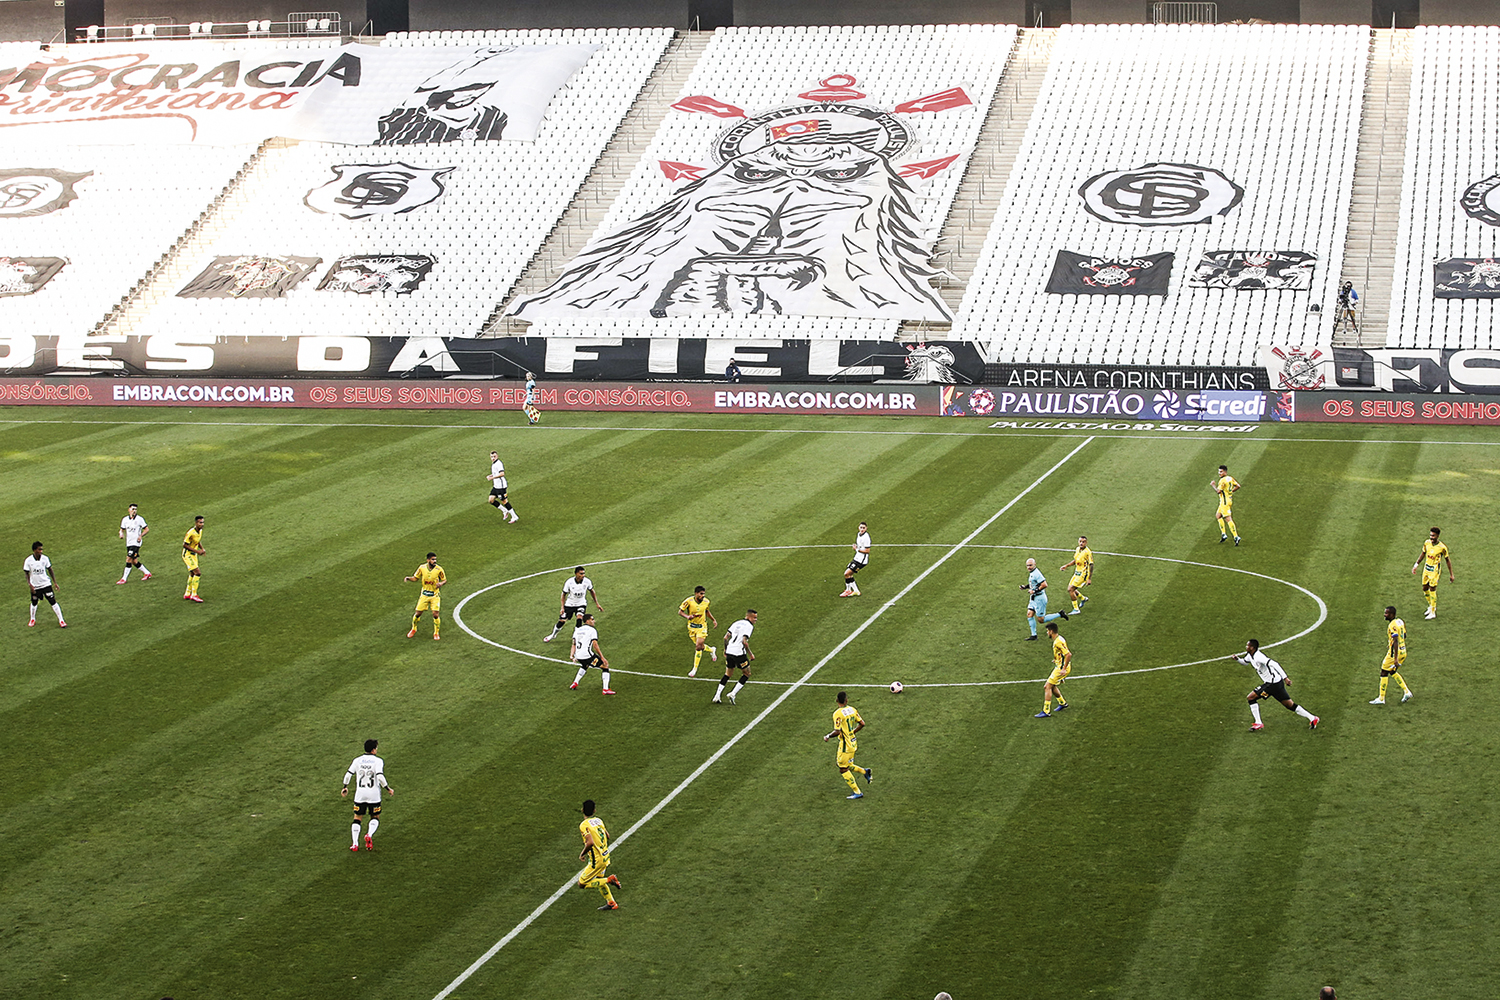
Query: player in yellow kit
(1083, 573)
(846, 725)
(695, 610)
(1395, 657)
(1430, 561)
(595, 856)
(1225, 486)
(431, 576)
(192, 548)
(1062, 666)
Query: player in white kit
(499, 490)
(860, 561)
(134, 529)
(368, 773)
(586, 653)
(575, 601)
(39, 577)
(737, 655)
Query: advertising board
(655, 397)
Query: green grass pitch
(170, 823)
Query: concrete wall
(754, 12)
(432, 15)
(30, 21)
(41, 20)
(1459, 12)
(1336, 11)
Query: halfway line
(682, 786)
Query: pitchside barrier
(1220, 410)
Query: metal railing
(1184, 13)
(152, 29)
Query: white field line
(683, 785)
(1322, 614)
(977, 424)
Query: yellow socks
(1384, 680)
(849, 779)
(697, 658)
(1399, 680)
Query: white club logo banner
(1160, 194)
(27, 192)
(1481, 201)
(224, 95)
(1298, 366)
(360, 190)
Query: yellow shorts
(1058, 675)
(1077, 581)
(430, 602)
(1431, 577)
(697, 633)
(190, 561)
(594, 869)
(1392, 664)
(846, 757)
(1226, 510)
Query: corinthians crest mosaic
(809, 209)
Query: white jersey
(497, 473)
(368, 772)
(133, 527)
(862, 548)
(738, 633)
(38, 570)
(1269, 670)
(583, 641)
(576, 592)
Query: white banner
(225, 95)
(810, 209)
(1304, 366)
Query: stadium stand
(1275, 108)
(1451, 146)
(501, 200)
(759, 68)
(135, 210)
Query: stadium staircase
(608, 177)
(168, 273)
(1374, 220)
(958, 247)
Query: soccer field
(169, 781)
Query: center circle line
(458, 612)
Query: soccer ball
(897, 687)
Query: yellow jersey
(595, 826)
(1083, 562)
(1060, 652)
(1432, 555)
(696, 612)
(191, 541)
(429, 577)
(847, 721)
(1226, 488)
(1395, 634)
